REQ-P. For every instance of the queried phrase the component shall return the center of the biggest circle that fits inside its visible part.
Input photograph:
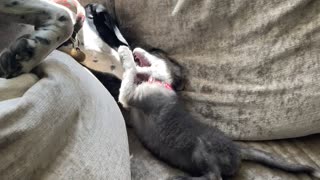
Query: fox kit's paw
(126, 58)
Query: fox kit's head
(160, 66)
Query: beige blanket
(254, 66)
(60, 124)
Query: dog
(171, 133)
(53, 26)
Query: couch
(253, 72)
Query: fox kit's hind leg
(205, 162)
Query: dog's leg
(128, 85)
(53, 26)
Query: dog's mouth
(141, 60)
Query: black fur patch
(62, 18)
(44, 13)
(38, 24)
(43, 40)
(45, 25)
(4, 63)
(25, 36)
(23, 50)
(13, 3)
(45, 29)
(9, 67)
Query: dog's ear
(102, 22)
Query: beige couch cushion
(254, 72)
(253, 66)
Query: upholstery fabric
(253, 66)
(65, 125)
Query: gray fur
(171, 133)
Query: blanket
(60, 123)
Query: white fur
(94, 43)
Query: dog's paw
(9, 67)
(126, 57)
(11, 59)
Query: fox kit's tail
(267, 159)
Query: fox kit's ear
(178, 85)
(179, 78)
(178, 74)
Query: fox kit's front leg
(128, 85)
(53, 26)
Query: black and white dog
(53, 26)
(166, 128)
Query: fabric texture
(63, 126)
(253, 66)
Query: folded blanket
(253, 66)
(61, 124)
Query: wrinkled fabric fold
(253, 66)
(64, 126)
